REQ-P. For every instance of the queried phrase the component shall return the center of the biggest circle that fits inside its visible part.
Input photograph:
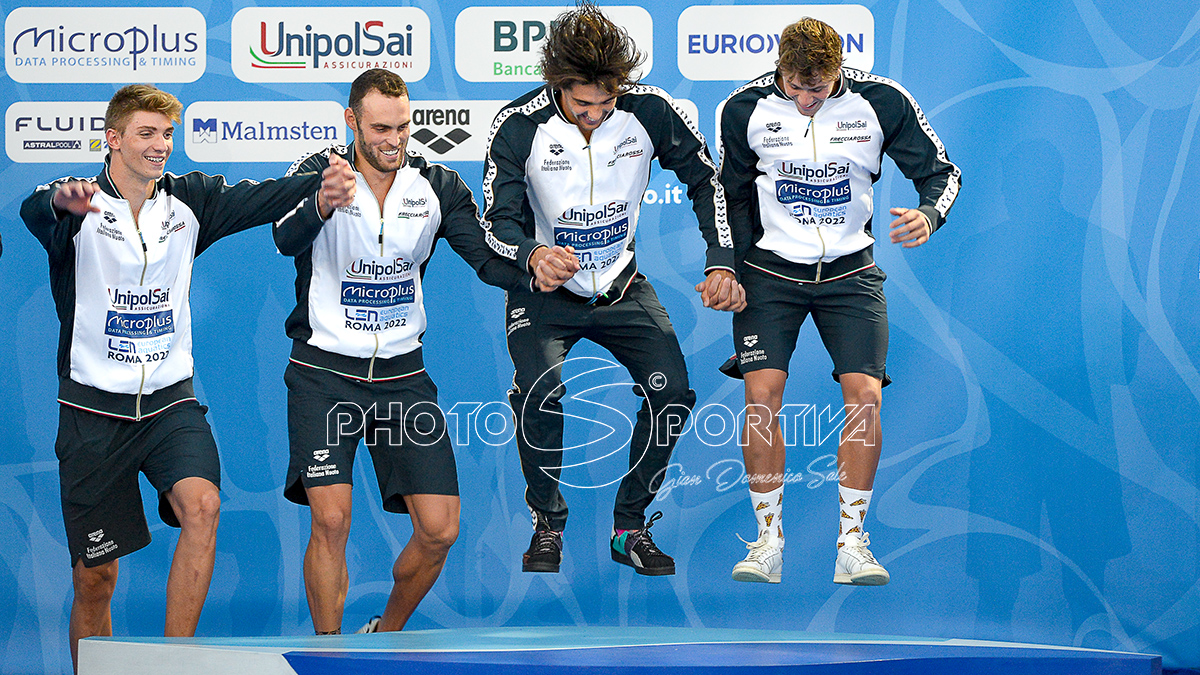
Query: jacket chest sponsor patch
(598, 233)
(378, 293)
(139, 324)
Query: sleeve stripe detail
(724, 235)
(489, 171)
(953, 182)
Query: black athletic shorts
(400, 421)
(850, 314)
(99, 458)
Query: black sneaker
(545, 549)
(637, 549)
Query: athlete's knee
(764, 394)
(331, 521)
(95, 585)
(438, 536)
(862, 391)
(198, 508)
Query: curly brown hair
(585, 47)
(810, 49)
(376, 79)
(140, 98)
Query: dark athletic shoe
(636, 549)
(545, 549)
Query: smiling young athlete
(121, 247)
(801, 148)
(566, 168)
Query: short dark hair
(139, 98)
(810, 49)
(585, 47)
(376, 79)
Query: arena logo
(261, 131)
(59, 132)
(741, 42)
(328, 44)
(452, 131)
(105, 44)
(504, 44)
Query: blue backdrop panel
(1040, 472)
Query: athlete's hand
(911, 227)
(337, 186)
(721, 291)
(553, 267)
(75, 197)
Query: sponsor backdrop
(1039, 479)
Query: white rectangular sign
(67, 132)
(260, 131)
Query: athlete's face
(381, 131)
(587, 105)
(142, 149)
(808, 95)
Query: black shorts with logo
(850, 314)
(99, 458)
(399, 420)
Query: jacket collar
(105, 181)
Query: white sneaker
(764, 563)
(855, 564)
(371, 626)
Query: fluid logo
(328, 44)
(105, 44)
(742, 42)
(261, 131)
(504, 44)
(60, 132)
(452, 131)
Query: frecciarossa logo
(328, 44)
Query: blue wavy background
(1040, 471)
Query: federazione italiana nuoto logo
(504, 44)
(741, 42)
(328, 44)
(104, 44)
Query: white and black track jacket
(544, 184)
(800, 188)
(121, 288)
(359, 299)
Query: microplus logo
(504, 44)
(261, 131)
(328, 44)
(741, 42)
(68, 132)
(105, 44)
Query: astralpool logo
(69, 132)
(504, 44)
(741, 42)
(105, 44)
(261, 131)
(328, 44)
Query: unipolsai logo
(105, 44)
(328, 44)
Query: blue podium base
(576, 650)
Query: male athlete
(801, 148)
(566, 168)
(121, 247)
(356, 369)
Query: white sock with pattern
(852, 505)
(768, 510)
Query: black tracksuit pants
(542, 329)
